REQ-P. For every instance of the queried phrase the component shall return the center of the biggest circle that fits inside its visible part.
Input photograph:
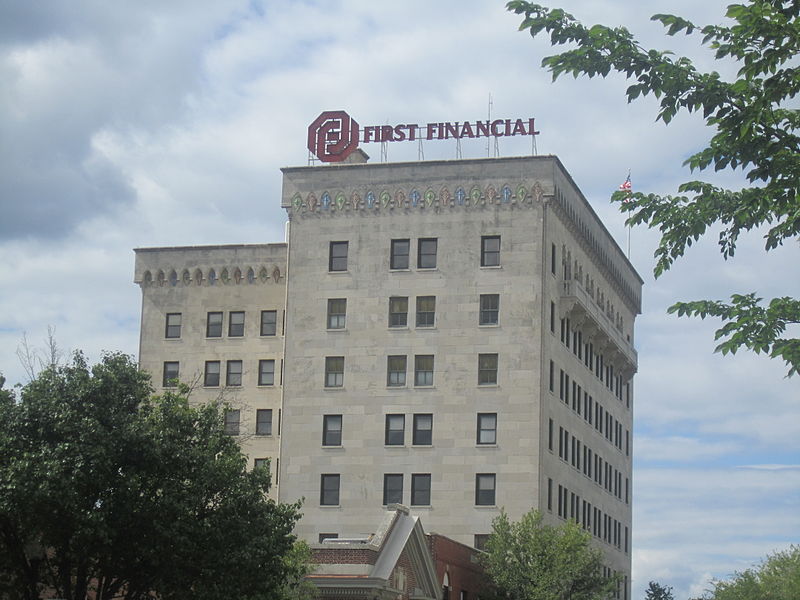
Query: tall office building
(458, 339)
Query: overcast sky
(150, 123)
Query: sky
(149, 123)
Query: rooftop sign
(334, 135)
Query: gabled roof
(364, 566)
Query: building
(459, 337)
(212, 318)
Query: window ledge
(431, 446)
(486, 506)
(405, 270)
(394, 445)
(345, 272)
(428, 327)
(340, 388)
(336, 329)
(488, 325)
(424, 387)
(492, 267)
(323, 506)
(332, 447)
(486, 445)
(265, 385)
(490, 386)
(263, 435)
(399, 328)
(396, 387)
(427, 269)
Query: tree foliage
(656, 591)
(107, 492)
(776, 578)
(529, 560)
(754, 129)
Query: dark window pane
(395, 430)
(173, 325)
(423, 430)
(393, 488)
(399, 254)
(337, 260)
(332, 430)
(236, 324)
(214, 324)
(426, 253)
(269, 322)
(420, 489)
(264, 421)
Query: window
(332, 430)
(236, 323)
(327, 536)
(261, 463)
(393, 488)
(264, 421)
(211, 376)
(396, 371)
(487, 428)
(480, 541)
(423, 430)
(490, 309)
(266, 372)
(232, 422)
(337, 311)
(233, 373)
(395, 430)
(269, 322)
(171, 371)
(329, 490)
(487, 369)
(173, 326)
(214, 324)
(334, 371)
(398, 311)
(484, 489)
(423, 369)
(337, 258)
(553, 259)
(552, 317)
(426, 253)
(490, 250)
(426, 311)
(420, 489)
(399, 255)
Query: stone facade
(203, 306)
(458, 381)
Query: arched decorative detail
(173, 278)
(212, 277)
(161, 278)
(198, 277)
(237, 276)
(276, 274)
(148, 278)
(225, 276)
(185, 277)
(251, 275)
(263, 275)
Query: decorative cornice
(413, 198)
(211, 276)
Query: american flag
(626, 186)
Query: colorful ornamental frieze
(417, 198)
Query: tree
(107, 492)
(529, 560)
(754, 130)
(656, 591)
(776, 578)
